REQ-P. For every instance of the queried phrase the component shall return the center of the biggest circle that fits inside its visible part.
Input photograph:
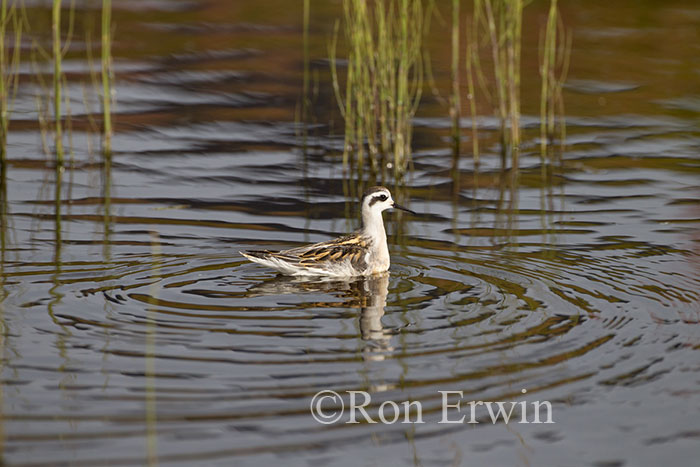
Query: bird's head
(377, 199)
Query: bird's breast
(379, 260)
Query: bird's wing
(352, 248)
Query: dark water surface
(134, 332)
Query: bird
(361, 253)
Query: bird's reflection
(375, 290)
(365, 293)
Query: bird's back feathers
(344, 256)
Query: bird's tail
(272, 259)
(256, 255)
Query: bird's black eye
(382, 197)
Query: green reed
(107, 76)
(10, 20)
(473, 67)
(58, 98)
(303, 119)
(500, 21)
(107, 86)
(384, 81)
(455, 99)
(52, 99)
(57, 79)
(556, 50)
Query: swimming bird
(361, 253)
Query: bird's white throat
(373, 226)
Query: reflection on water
(4, 330)
(577, 281)
(374, 295)
(149, 357)
(365, 294)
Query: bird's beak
(398, 206)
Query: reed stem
(556, 47)
(472, 62)
(4, 117)
(384, 81)
(57, 55)
(455, 103)
(107, 74)
(9, 67)
(500, 21)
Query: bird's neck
(373, 226)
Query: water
(135, 332)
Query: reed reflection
(64, 335)
(107, 205)
(3, 325)
(56, 296)
(506, 221)
(150, 402)
(4, 219)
